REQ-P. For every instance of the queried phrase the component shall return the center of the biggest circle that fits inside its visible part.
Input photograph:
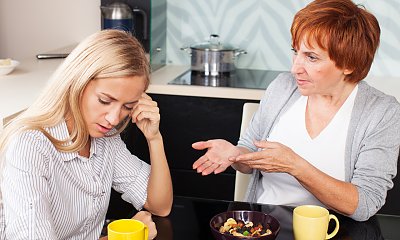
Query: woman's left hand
(273, 157)
(146, 115)
(146, 218)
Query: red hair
(349, 33)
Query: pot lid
(214, 44)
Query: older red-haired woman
(321, 135)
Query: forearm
(159, 191)
(335, 194)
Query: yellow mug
(127, 229)
(311, 223)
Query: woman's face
(315, 72)
(107, 101)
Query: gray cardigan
(372, 145)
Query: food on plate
(5, 62)
(244, 229)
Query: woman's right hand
(146, 115)
(145, 217)
(216, 159)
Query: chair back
(242, 180)
(392, 205)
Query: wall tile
(261, 27)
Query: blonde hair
(104, 54)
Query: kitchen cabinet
(185, 120)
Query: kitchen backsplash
(261, 27)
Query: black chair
(392, 205)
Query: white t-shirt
(325, 152)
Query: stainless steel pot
(213, 58)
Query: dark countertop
(190, 217)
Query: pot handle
(214, 39)
(186, 49)
(240, 51)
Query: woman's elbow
(164, 213)
(364, 212)
(161, 210)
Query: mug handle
(333, 233)
(146, 232)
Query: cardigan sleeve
(375, 152)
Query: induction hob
(240, 78)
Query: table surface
(190, 217)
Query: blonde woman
(64, 153)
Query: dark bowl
(256, 217)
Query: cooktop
(240, 78)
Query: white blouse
(49, 194)
(325, 152)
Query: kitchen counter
(21, 87)
(160, 78)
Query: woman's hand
(273, 157)
(217, 156)
(146, 115)
(145, 217)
